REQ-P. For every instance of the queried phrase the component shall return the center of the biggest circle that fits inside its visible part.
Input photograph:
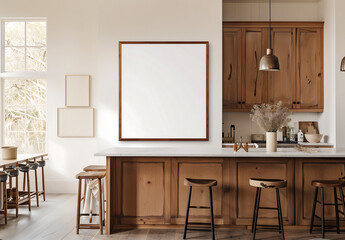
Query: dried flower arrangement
(270, 118)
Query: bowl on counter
(313, 138)
(9, 152)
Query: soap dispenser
(300, 136)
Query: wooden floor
(55, 219)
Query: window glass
(25, 114)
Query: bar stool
(90, 175)
(3, 179)
(199, 183)
(13, 173)
(92, 168)
(25, 168)
(327, 184)
(42, 164)
(33, 167)
(267, 183)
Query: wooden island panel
(315, 169)
(194, 168)
(244, 194)
(150, 191)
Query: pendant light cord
(270, 20)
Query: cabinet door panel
(281, 84)
(309, 75)
(142, 189)
(231, 68)
(246, 193)
(200, 195)
(254, 85)
(319, 171)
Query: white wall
(83, 38)
(340, 76)
(166, 20)
(287, 10)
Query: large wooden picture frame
(163, 91)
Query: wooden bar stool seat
(260, 183)
(191, 182)
(200, 182)
(95, 168)
(3, 179)
(90, 175)
(328, 183)
(13, 201)
(267, 183)
(337, 201)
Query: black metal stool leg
(342, 199)
(281, 226)
(256, 198)
(336, 209)
(256, 212)
(211, 210)
(322, 213)
(313, 212)
(187, 213)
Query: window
(23, 84)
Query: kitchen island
(145, 185)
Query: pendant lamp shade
(269, 62)
(342, 66)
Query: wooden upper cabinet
(254, 84)
(281, 84)
(298, 84)
(310, 69)
(232, 68)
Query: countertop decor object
(269, 62)
(271, 118)
(342, 66)
(313, 138)
(9, 152)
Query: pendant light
(269, 62)
(342, 66)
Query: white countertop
(217, 152)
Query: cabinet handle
(298, 103)
(230, 72)
(243, 102)
(239, 102)
(257, 72)
(294, 102)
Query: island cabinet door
(308, 170)
(243, 195)
(142, 190)
(209, 168)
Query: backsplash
(245, 127)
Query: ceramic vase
(271, 141)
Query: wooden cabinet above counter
(298, 84)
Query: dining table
(21, 158)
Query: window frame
(16, 75)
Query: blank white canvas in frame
(77, 91)
(164, 91)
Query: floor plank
(56, 218)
